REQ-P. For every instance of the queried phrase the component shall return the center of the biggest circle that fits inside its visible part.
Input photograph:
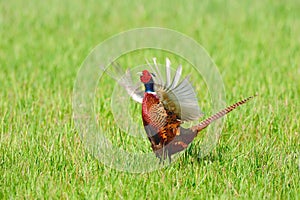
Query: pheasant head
(147, 80)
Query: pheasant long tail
(202, 125)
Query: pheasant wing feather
(181, 100)
(176, 97)
(133, 90)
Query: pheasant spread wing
(125, 80)
(133, 90)
(179, 98)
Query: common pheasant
(165, 106)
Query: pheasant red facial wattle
(146, 76)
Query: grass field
(256, 46)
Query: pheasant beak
(140, 73)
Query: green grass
(256, 47)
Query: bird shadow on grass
(193, 155)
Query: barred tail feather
(202, 125)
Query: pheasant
(165, 106)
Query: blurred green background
(255, 44)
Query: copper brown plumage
(160, 124)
